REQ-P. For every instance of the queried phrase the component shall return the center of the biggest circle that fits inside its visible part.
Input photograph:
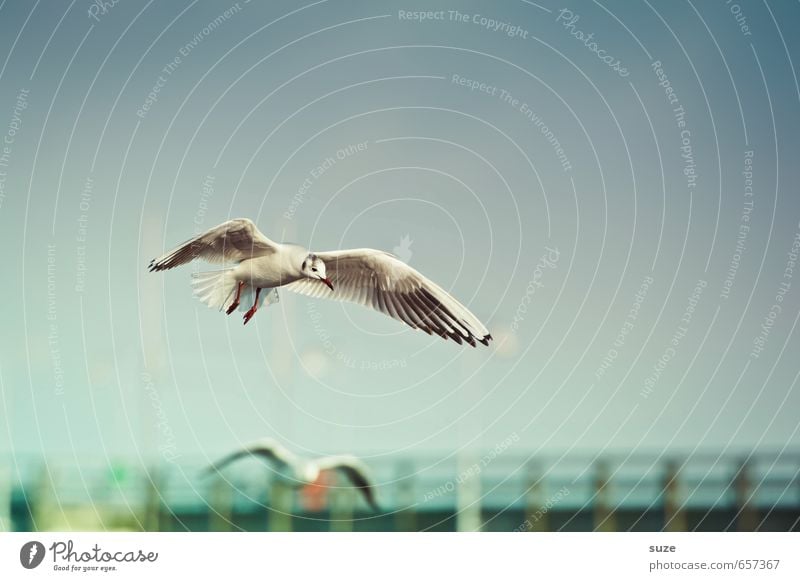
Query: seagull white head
(314, 267)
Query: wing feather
(382, 282)
(434, 323)
(267, 449)
(405, 316)
(231, 241)
(411, 311)
(355, 471)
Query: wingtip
(473, 340)
(368, 495)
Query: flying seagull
(299, 472)
(372, 278)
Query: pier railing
(613, 492)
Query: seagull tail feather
(215, 288)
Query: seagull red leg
(249, 314)
(235, 302)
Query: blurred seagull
(368, 277)
(299, 472)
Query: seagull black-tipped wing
(268, 450)
(383, 282)
(356, 472)
(231, 241)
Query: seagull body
(372, 278)
(298, 472)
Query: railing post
(281, 504)
(536, 517)
(604, 517)
(342, 503)
(468, 492)
(674, 512)
(45, 505)
(220, 510)
(5, 499)
(151, 520)
(748, 514)
(405, 519)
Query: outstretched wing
(267, 449)
(383, 282)
(355, 471)
(231, 241)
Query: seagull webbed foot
(249, 314)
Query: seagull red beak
(328, 282)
